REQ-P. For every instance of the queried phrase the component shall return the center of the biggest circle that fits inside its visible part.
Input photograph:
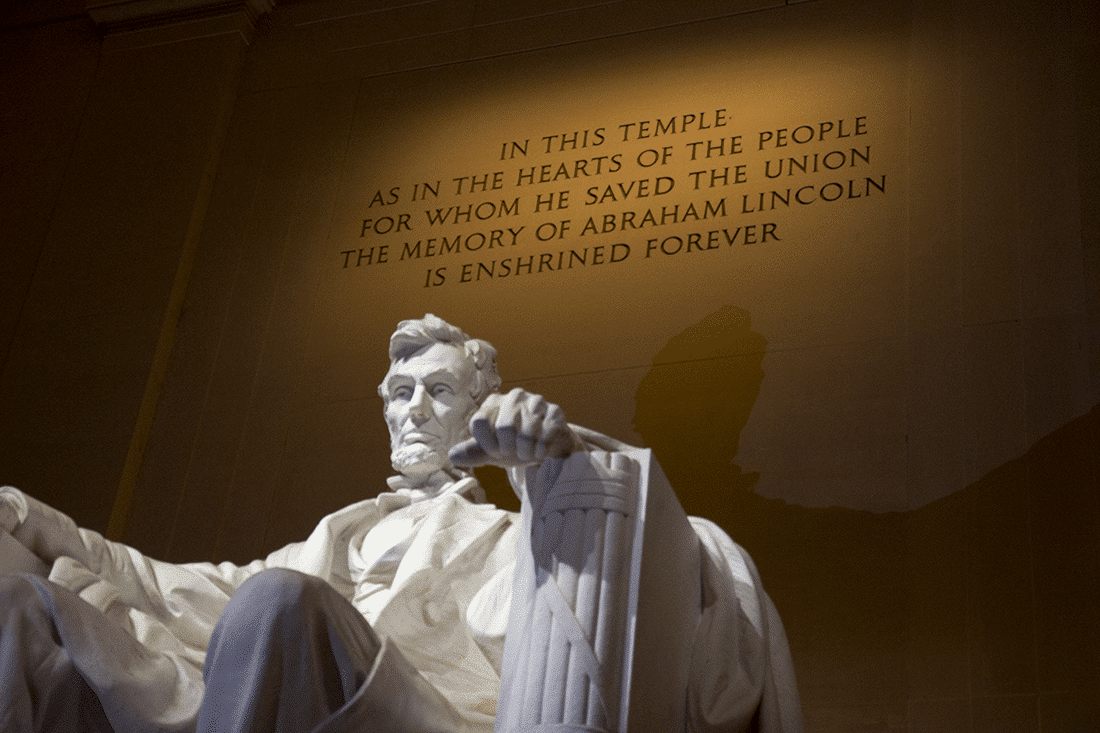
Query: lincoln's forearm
(49, 533)
(14, 558)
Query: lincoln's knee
(279, 586)
(274, 596)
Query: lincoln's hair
(413, 336)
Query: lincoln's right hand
(516, 429)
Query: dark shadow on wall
(971, 607)
(695, 400)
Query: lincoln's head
(438, 377)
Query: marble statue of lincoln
(392, 615)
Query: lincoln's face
(428, 408)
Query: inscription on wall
(688, 185)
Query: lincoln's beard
(417, 459)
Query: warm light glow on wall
(584, 191)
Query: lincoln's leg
(287, 652)
(291, 655)
(40, 686)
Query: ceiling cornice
(121, 16)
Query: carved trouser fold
(606, 600)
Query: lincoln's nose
(418, 407)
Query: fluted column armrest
(606, 599)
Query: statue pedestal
(606, 600)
